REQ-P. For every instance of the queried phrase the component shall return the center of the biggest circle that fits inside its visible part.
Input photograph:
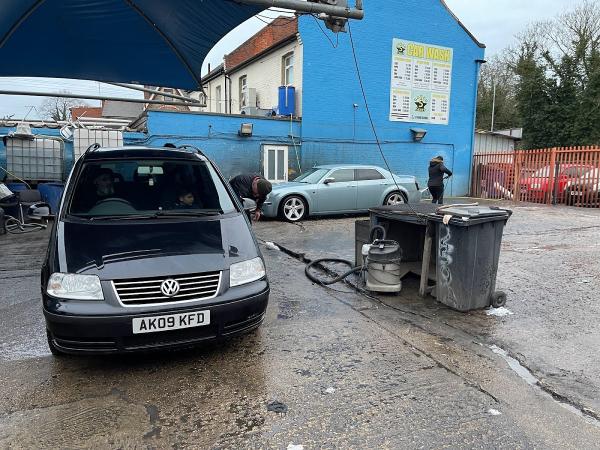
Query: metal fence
(568, 176)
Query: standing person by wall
(437, 170)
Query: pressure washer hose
(13, 225)
(314, 279)
(318, 262)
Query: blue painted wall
(217, 136)
(333, 131)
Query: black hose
(314, 279)
(374, 230)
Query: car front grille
(147, 291)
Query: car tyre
(53, 349)
(293, 208)
(395, 198)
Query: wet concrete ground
(329, 369)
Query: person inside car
(185, 199)
(99, 186)
(103, 181)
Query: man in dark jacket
(437, 169)
(254, 187)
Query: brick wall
(277, 31)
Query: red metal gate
(551, 176)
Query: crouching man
(253, 187)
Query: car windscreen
(312, 176)
(138, 187)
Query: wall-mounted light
(418, 134)
(245, 130)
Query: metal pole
(493, 105)
(155, 91)
(309, 7)
(99, 97)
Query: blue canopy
(151, 42)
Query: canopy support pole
(311, 7)
(155, 91)
(99, 97)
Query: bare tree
(59, 108)
(577, 29)
(573, 34)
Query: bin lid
(474, 211)
(473, 215)
(461, 215)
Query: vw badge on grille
(169, 287)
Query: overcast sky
(493, 22)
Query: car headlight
(246, 272)
(75, 287)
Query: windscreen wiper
(200, 213)
(155, 215)
(121, 217)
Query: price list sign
(421, 82)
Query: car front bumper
(80, 334)
(269, 208)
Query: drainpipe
(227, 80)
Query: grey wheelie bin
(463, 254)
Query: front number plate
(170, 322)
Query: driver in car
(102, 188)
(104, 184)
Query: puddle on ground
(515, 365)
(530, 379)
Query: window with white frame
(218, 99)
(243, 91)
(275, 163)
(287, 69)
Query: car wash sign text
(421, 79)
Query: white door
(276, 163)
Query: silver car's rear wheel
(395, 198)
(293, 208)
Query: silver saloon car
(339, 189)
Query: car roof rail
(192, 147)
(92, 148)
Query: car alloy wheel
(395, 198)
(294, 209)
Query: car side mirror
(328, 180)
(249, 204)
